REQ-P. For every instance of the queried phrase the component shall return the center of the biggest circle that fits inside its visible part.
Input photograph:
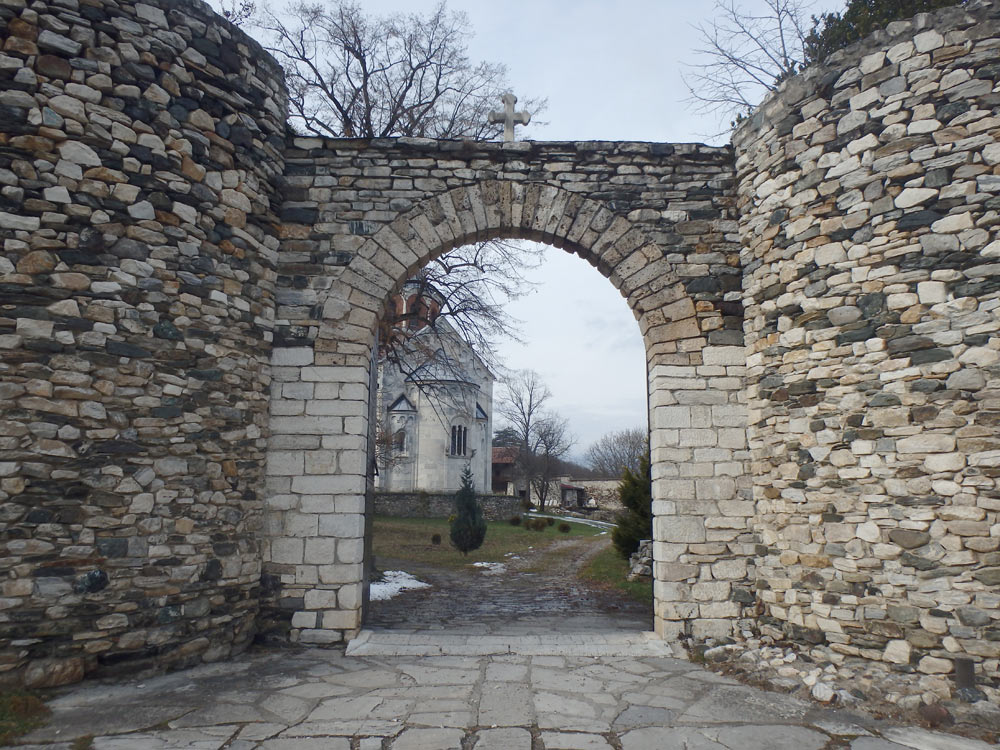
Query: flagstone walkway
(325, 700)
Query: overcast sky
(610, 71)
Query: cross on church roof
(509, 117)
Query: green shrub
(468, 530)
(515, 521)
(436, 539)
(550, 521)
(636, 523)
(564, 527)
(834, 31)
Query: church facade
(435, 409)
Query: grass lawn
(608, 570)
(410, 539)
(20, 712)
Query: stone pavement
(325, 700)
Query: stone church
(434, 402)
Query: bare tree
(360, 76)
(355, 75)
(238, 12)
(744, 54)
(542, 436)
(617, 451)
(523, 404)
(469, 288)
(551, 441)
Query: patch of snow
(491, 568)
(393, 582)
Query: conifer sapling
(468, 529)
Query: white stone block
(897, 652)
(343, 619)
(317, 503)
(670, 417)
(724, 355)
(321, 462)
(926, 443)
(336, 407)
(335, 374)
(328, 484)
(716, 488)
(323, 637)
(910, 197)
(321, 551)
(301, 524)
(292, 356)
(732, 438)
(698, 438)
(729, 570)
(687, 529)
(298, 391)
(928, 41)
(304, 620)
(342, 525)
(284, 463)
(932, 292)
(869, 531)
(349, 596)
(944, 462)
(286, 551)
(340, 573)
(350, 550)
(321, 599)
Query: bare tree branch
(743, 55)
(617, 451)
(355, 75)
(543, 437)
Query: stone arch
(619, 249)
(694, 410)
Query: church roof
(442, 369)
(503, 454)
(402, 404)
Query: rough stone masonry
(188, 291)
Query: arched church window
(459, 440)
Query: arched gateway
(188, 294)
(361, 216)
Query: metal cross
(509, 117)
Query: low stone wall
(428, 505)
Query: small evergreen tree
(468, 530)
(636, 523)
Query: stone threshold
(390, 643)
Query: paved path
(323, 700)
(536, 595)
(523, 661)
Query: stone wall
(435, 505)
(153, 284)
(868, 194)
(138, 161)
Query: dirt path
(536, 593)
